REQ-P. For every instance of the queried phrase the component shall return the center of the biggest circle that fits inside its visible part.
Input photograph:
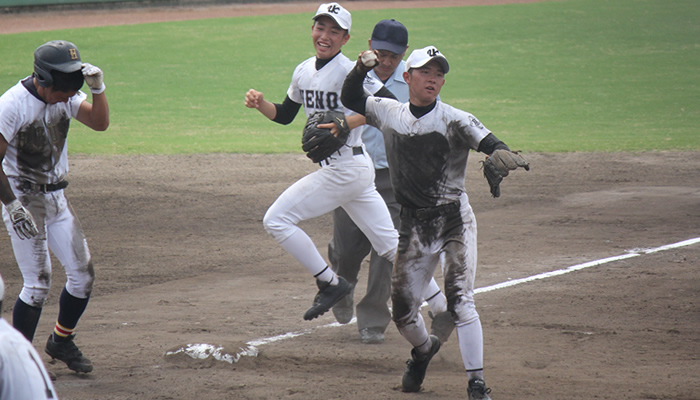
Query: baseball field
(589, 264)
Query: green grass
(578, 75)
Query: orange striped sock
(61, 333)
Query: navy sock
(25, 318)
(70, 310)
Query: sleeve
(491, 143)
(287, 111)
(353, 95)
(75, 103)
(293, 90)
(475, 131)
(10, 120)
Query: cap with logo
(334, 10)
(421, 57)
(391, 35)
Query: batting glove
(22, 220)
(94, 78)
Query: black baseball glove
(319, 143)
(498, 164)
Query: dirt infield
(182, 258)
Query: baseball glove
(498, 164)
(320, 143)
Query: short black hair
(67, 81)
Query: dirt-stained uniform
(35, 116)
(428, 143)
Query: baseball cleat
(343, 310)
(69, 353)
(417, 365)
(442, 326)
(477, 390)
(327, 297)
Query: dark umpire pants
(347, 249)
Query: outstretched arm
(281, 113)
(353, 95)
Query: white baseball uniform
(345, 179)
(36, 164)
(22, 373)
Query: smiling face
(425, 83)
(328, 37)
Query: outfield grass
(577, 75)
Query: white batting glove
(94, 78)
(22, 220)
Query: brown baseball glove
(497, 166)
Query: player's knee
(276, 226)
(80, 282)
(465, 312)
(34, 296)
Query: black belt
(43, 187)
(356, 151)
(430, 212)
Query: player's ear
(406, 77)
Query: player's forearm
(99, 114)
(353, 95)
(355, 120)
(6, 194)
(268, 109)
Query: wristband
(98, 90)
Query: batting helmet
(56, 55)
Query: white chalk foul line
(203, 351)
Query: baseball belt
(356, 151)
(431, 212)
(31, 187)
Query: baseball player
(427, 145)
(345, 179)
(349, 246)
(23, 375)
(35, 116)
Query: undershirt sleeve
(353, 95)
(491, 143)
(287, 111)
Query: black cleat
(69, 353)
(477, 390)
(327, 297)
(416, 367)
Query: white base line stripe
(202, 351)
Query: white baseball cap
(420, 57)
(334, 10)
(2, 289)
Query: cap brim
(442, 60)
(331, 16)
(384, 45)
(70, 67)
